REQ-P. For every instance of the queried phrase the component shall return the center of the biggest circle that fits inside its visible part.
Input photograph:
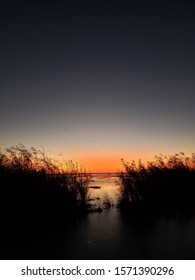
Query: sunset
(107, 161)
(106, 89)
(98, 79)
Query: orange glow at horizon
(105, 164)
(109, 162)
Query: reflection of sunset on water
(108, 184)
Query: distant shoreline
(102, 173)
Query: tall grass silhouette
(166, 185)
(39, 196)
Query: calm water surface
(108, 235)
(109, 189)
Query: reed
(39, 196)
(165, 185)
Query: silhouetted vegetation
(39, 196)
(166, 186)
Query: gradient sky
(97, 81)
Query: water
(106, 195)
(109, 235)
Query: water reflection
(104, 190)
(110, 235)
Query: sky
(97, 81)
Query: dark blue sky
(94, 78)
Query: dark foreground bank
(39, 200)
(164, 187)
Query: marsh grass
(39, 196)
(166, 186)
